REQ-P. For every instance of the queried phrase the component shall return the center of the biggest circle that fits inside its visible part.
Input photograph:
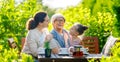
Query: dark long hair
(81, 29)
(38, 18)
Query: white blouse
(34, 41)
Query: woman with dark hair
(37, 34)
(75, 31)
(30, 24)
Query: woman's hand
(55, 50)
(48, 37)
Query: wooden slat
(92, 44)
(23, 42)
(12, 43)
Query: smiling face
(45, 22)
(59, 23)
(73, 30)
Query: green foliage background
(13, 18)
(101, 16)
(111, 6)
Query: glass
(77, 52)
(48, 53)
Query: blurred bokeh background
(101, 16)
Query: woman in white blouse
(37, 34)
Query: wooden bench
(92, 44)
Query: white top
(34, 40)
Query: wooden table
(71, 59)
(63, 60)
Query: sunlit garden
(101, 16)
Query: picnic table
(84, 58)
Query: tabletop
(84, 58)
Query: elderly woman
(59, 34)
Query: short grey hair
(55, 16)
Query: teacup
(84, 50)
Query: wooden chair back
(12, 43)
(92, 44)
(22, 42)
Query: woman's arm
(55, 50)
(31, 44)
(54, 45)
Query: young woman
(37, 34)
